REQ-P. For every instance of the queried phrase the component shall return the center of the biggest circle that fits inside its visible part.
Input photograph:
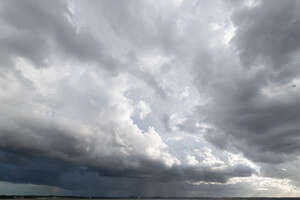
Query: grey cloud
(43, 152)
(264, 127)
(268, 34)
(21, 134)
(50, 140)
(20, 168)
(42, 30)
(42, 33)
(165, 119)
(78, 125)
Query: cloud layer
(173, 98)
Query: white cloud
(143, 109)
(191, 160)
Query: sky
(150, 98)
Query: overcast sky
(150, 98)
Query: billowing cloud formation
(255, 103)
(166, 98)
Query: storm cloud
(171, 98)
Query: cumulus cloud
(139, 98)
